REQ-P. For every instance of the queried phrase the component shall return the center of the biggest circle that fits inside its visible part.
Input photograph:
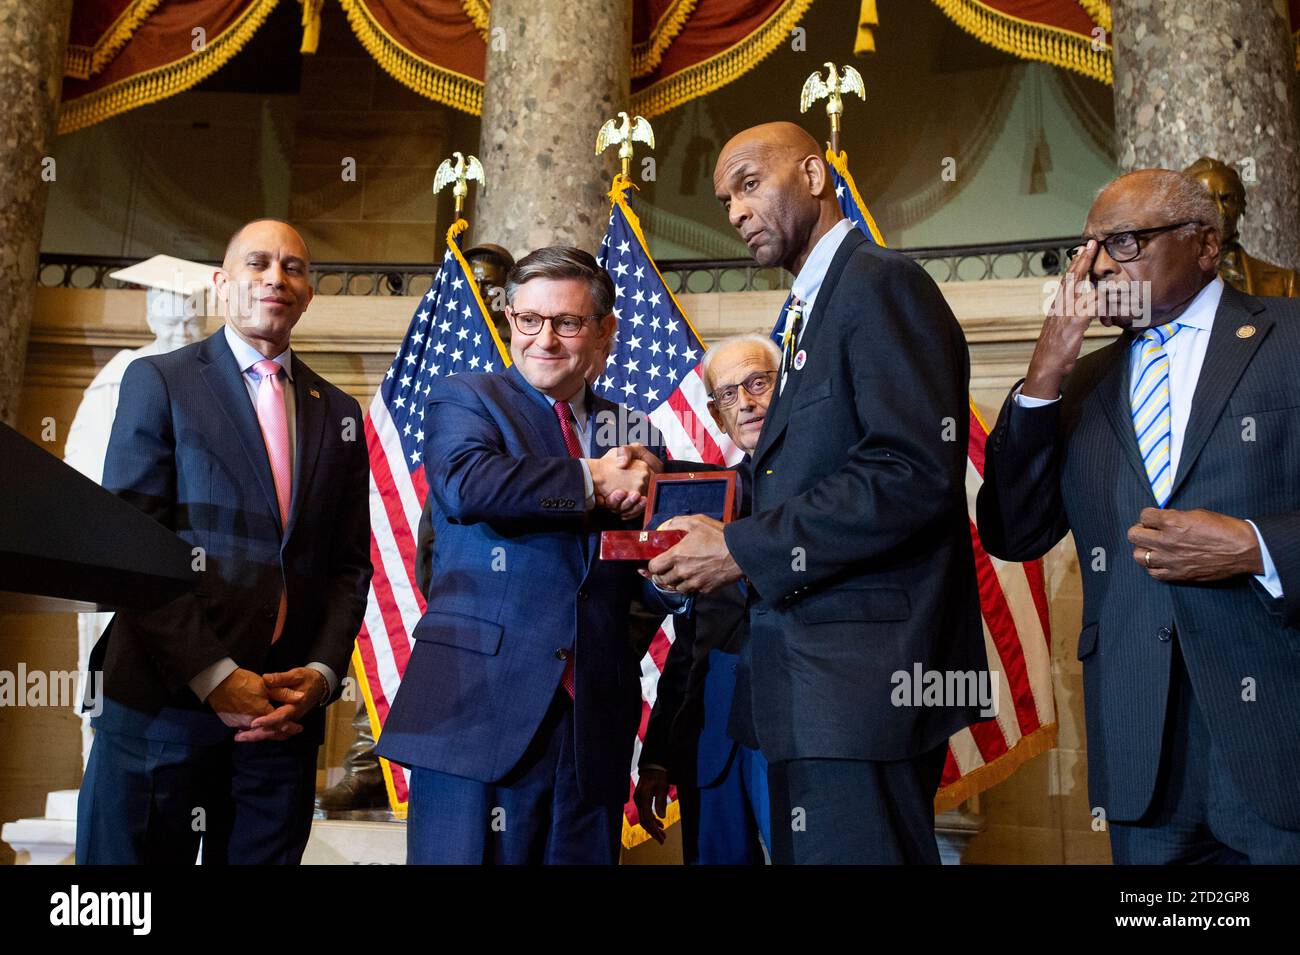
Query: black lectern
(67, 544)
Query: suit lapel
(1114, 388)
(1226, 359)
(778, 414)
(222, 375)
(538, 414)
(309, 427)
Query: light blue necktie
(1149, 400)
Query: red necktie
(565, 414)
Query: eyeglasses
(759, 383)
(566, 326)
(1127, 246)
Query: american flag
(449, 333)
(1013, 602)
(654, 368)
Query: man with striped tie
(1173, 454)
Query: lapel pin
(1245, 331)
(800, 357)
(313, 392)
(767, 471)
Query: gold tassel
(868, 18)
(310, 25)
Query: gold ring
(1148, 559)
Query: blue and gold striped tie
(1149, 399)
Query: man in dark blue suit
(858, 550)
(519, 706)
(691, 740)
(214, 703)
(1173, 455)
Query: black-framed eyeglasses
(759, 383)
(566, 326)
(1127, 246)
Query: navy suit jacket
(516, 586)
(1075, 466)
(187, 450)
(858, 551)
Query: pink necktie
(565, 414)
(274, 423)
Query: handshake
(620, 478)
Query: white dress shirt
(1186, 351)
(246, 356)
(809, 280)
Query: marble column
(556, 70)
(1215, 79)
(33, 42)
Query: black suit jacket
(858, 552)
(1075, 466)
(187, 450)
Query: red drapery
(126, 53)
(147, 51)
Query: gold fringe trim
(633, 836)
(83, 62)
(368, 695)
(990, 774)
(1099, 10)
(840, 163)
(722, 68)
(647, 54)
(479, 13)
(167, 80)
(433, 82)
(1028, 40)
(457, 229)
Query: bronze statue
(362, 785)
(1243, 272)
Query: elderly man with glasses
(1173, 455)
(696, 739)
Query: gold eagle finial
(623, 132)
(464, 169)
(833, 88)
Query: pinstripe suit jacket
(1075, 466)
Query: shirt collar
(246, 356)
(1199, 313)
(577, 404)
(809, 280)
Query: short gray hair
(564, 262)
(1178, 196)
(752, 338)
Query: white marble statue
(176, 319)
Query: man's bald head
(264, 283)
(776, 187)
(263, 227)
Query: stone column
(1215, 79)
(33, 43)
(556, 70)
